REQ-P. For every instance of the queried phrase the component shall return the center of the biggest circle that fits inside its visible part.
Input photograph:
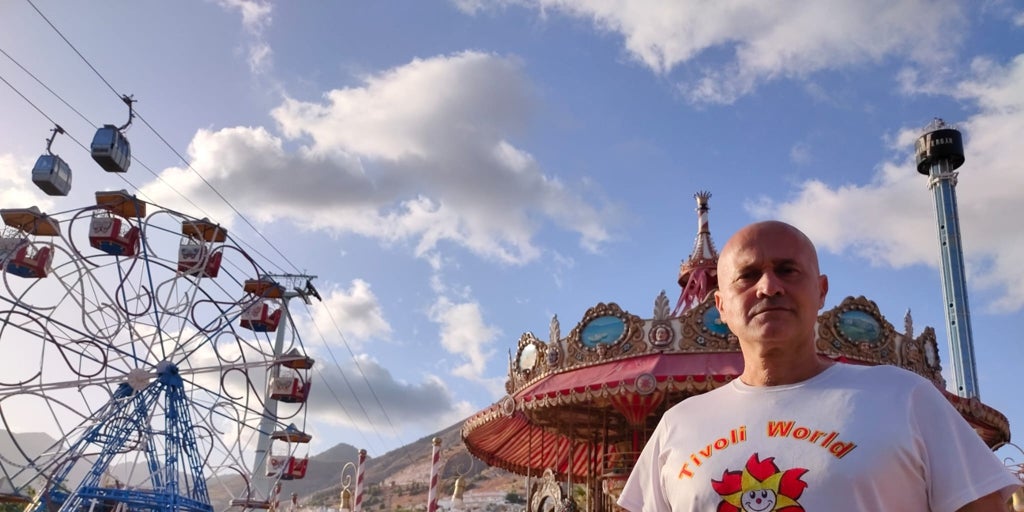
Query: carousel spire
(698, 274)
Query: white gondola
(52, 175)
(110, 149)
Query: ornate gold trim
(547, 488)
(833, 342)
(698, 337)
(630, 342)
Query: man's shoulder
(880, 371)
(882, 375)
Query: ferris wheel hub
(167, 372)
(138, 379)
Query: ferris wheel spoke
(134, 355)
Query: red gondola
(113, 235)
(28, 261)
(195, 255)
(109, 230)
(261, 316)
(20, 255)
(287, 467)
(289, 389)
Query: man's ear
(823, 286)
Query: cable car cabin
(113, 235)
(289, 389)
(261, 317)
(111, 150)
(195, 258)
(26, 260)
(52, 174)
(286, 467)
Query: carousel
(580, 407)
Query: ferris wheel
(146, 363)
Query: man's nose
(769, 285)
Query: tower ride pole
(940, 152)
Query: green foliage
(18, 507)
(514, 498)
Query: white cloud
(465, 333)
(344, 397)
(356, 312)
(767, 40)
(418, 153)
(891, 221)
(16, 187)
(256, 16)
(255, 13)
(800, 153)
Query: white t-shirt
(852, 438)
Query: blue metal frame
(177, 481)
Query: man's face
(769, 287)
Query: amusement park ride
(580, 407)
(154, 353)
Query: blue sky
(457, 172)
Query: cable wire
(212, 188)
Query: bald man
(797, 431)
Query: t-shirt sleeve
(643, 491)
(959, 467)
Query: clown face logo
(760, 487)
(758, 500)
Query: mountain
(395, 479)
(400, 478)
(14, 448)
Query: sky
(456, 172)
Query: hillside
(395, 479)
(400, 477)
